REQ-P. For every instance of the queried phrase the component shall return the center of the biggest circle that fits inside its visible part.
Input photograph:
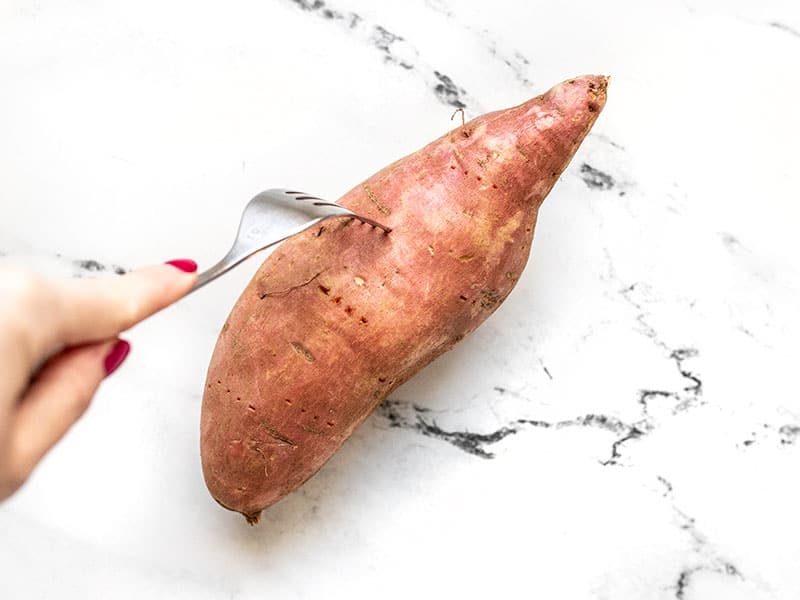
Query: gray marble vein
(595, 179)
(408, 416)
(513, 59)
(89, 266)
(780, 435)
(58, 265)
(785, 27)
(396, 50)
(705, 556)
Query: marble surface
(626, 425)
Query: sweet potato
(338, 317)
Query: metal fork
(272, 217)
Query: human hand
(70, 328)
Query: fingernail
(184, 264)
(116, 356)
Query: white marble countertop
(625, 426)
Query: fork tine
(321, 202)
(303, 196)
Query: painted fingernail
(184, 264)
(116, 356)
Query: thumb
(59, 395)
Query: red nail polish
(184, 264)
(116, 356)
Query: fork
(261, 225)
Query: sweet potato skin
(338, 317)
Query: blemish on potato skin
(349, 310)
(303, 351)
(359, 281)
(384, 210)
(275, 434)
(324, 289)
(489, 298)
(286, 292)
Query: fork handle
(235, 256)
(230, 260)
(210, 274)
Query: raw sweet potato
(338, 317)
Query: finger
(39, 317)
(98, 309)
(58, 397)
(25, 332)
